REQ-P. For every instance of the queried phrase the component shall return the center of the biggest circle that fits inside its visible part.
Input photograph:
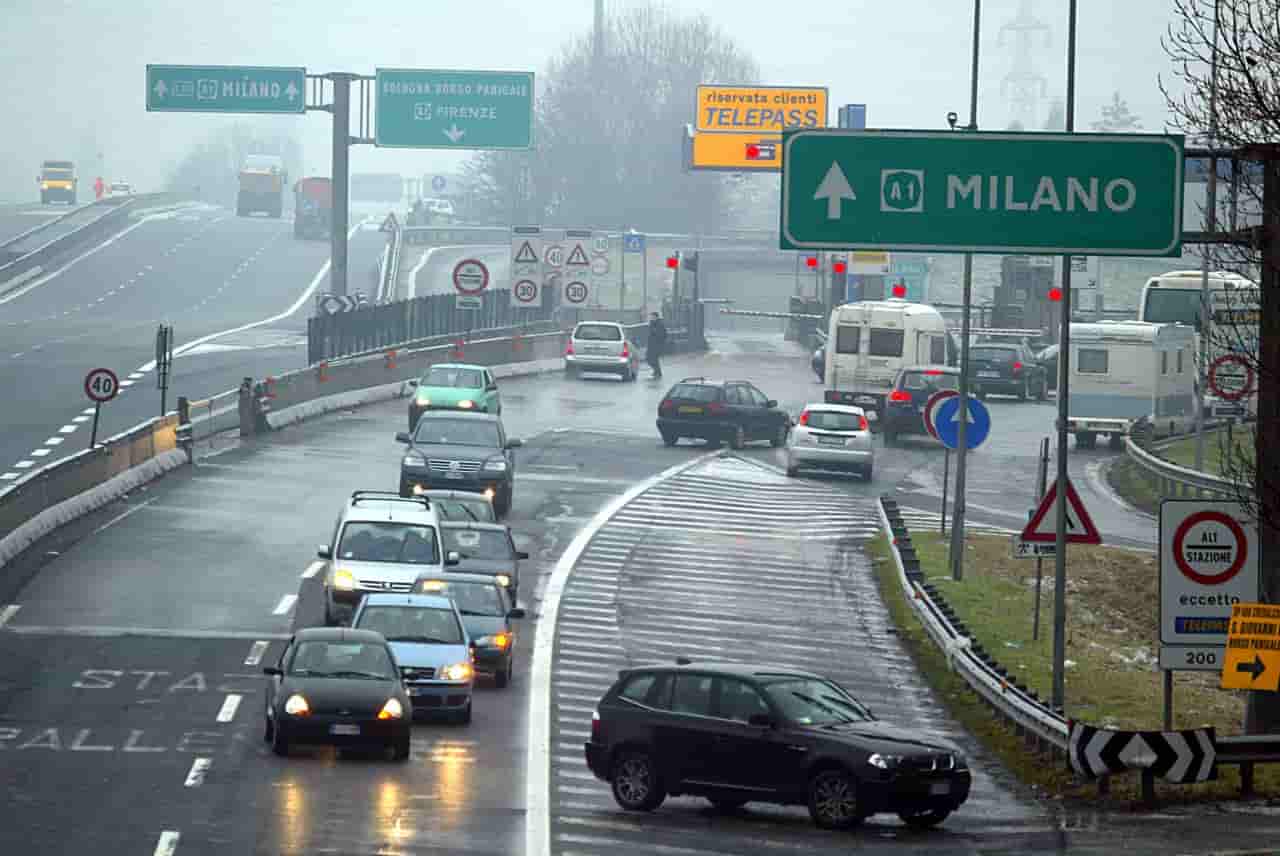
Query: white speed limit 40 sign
(101, 385)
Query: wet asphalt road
(131, 704)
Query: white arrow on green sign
(942, 191)
(225, 89)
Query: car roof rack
(387, 496)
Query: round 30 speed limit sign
(101, 385)
(525, 292)
(576, 292)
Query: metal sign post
(164, 362)
(1040, 487)
(100, 385)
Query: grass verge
(1129, 480)
(1112, 679)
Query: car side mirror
(516, 612)
(514, 444)
(324, 552)
(453, 557)
(403, 437)
(413, 383)
(521, 554)
(771, 403)
(763, 720)
(493, 387)
(271, 670)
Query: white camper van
(1126, 371)
(869, 341)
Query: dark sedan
(489, 616)
(904, 405)
(339, 687)
(718, 411)
(460, 452)
(1007, 369)
(483, 548)
(736, 733)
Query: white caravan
(870, 340)
(1123, 372)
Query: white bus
(1123, 372)
(870, 340)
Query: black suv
(904, 405)
(461, 452)
(718, 411)
(735, 734)
(1007, 368)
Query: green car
(454, 386)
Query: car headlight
(414, 461)
(466, 404)
(391, 710)
(496, 640)
(497, 465)
(297, 706)
(433, 585)
(884, 762)
(503, 580)
(457, 672)
(344, 580)
(423, 401)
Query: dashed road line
(7, 614)
(58, 441)
(199, 769)
(168, 843)
(229, 707)
(25, 465)
(9, 476)
(286, 603)
(68, 429)
(256, 651)
(122, 515)
(40, 453)
(312, 570)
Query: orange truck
(312, 208)
(262, 182)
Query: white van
(1126, 371)
(868, 342)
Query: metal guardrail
(1172, 480)
(390, 273)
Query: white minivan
(868, 342)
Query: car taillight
(804, 418)
(717, 408)
(569, 350)
(666, 406)
(862, 423)
(595, 726)
(626, 352)
(1017, 367)
(899, 395)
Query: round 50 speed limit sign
(101, 385)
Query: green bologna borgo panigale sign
(1079, 194)
(427, 109)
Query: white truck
(869, 341)
(1126, 372)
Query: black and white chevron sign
(333, 304)
(1180, 757)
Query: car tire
(833, 800)
(400, 750)
(780, 437)
(1044, 390)
(268, 730)
(635, 372)
(279, 743)
(635, 781)
(669, 439)
(503, 679)
(867, 470)
(926, 819)
(1024, 394)
(792, 470)
(464, 718)
(738, 438)
(626, 375)
(890, 438)
(329, 619)
(405, 489)
(727, 804)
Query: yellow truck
(57, 182)
(262, 182)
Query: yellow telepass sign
(737, 152)
(762, 109)
(1253, 648)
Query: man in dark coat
(657, 344)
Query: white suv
(382, 542)
(601, 346)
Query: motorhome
(1126, 372)
(870, 340)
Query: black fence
(373, 327)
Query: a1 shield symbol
(902, 190)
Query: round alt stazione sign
(470, 276)
(101, 385)
(1210, 548)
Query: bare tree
(211, 169)
(1242, 108)
(608, 132)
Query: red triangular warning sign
(526, 255)
(578, 257)
(1043, 526)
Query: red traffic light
(899, 290)
(811, 261)
(839, 267)
(1055, 295)
(673, 262)
(753, 152)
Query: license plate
(988, 374)
(690, 410)
(419, 691)
(831, 441)
(345, 730)
(871, 416)
(864, 399)
(450, 474)
(939, 788)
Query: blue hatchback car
(430, 642)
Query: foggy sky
(75, 71)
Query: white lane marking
(68, 429)
(312, 570)
(136, 376)
(168, 843)
(88, 411)
(256, 650)
(199, 767)
(122, 515)
(8, 476)
(25, 465)
(297, 304)
(285, 604)
(229, 707)
(78, 419)
(109, 632)
(538, 761)
(40, 453)
(127, 382)
(8, 613)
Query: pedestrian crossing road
(731, 560)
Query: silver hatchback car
(601, 346)
(831, 437)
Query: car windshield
(925, 380)
(597, 333)
(427, 625)
(834, 420)
(466, 431)
(809, 701)
(471, 598)
(388, 541)
(452, 508)
(995, 355)
(332, 659)
(477, 543)
(694, 392)
(454, 377)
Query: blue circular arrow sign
(946, 422)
